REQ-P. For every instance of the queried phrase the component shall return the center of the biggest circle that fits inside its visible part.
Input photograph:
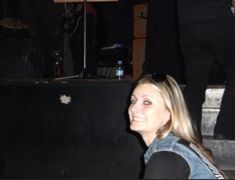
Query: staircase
(223, 150)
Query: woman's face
(147, 111)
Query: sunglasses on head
(158, 77)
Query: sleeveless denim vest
(198, 168)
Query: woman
(158, 113)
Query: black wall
(41, 137)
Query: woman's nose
(135, 107)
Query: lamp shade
(70, 1)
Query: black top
(166, 165)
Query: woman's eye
(133, 101)
(147, 103)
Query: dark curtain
(162, 48)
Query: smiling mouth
(137, 119)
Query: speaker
(64, 130)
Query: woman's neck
(148, 139)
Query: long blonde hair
(180, 122)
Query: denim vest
(198, 168)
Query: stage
(67, 129)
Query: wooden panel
(138, 56)
(140, 20)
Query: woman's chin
(136, 127)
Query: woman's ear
(167, 115)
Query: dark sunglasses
(158, 77)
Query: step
(210, 109)
(208, 121)
(223, 150)
(213, 97)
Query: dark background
(114, 25)
(40, 137)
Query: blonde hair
(180, 122)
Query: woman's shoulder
(166, 164)
(167, 158)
